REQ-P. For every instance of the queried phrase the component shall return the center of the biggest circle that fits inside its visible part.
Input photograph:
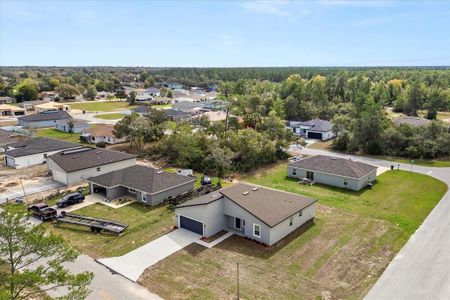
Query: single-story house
(34, 151)
(142, 109)
(150, 186)
(101, 133)
(47, 95)
(11, 110)
(51, 106)
(74, 166)
(30, 105)
(154, 91)
(177, 115)
(261, 214)
(43, 119)
(8, 137)
(340, 172)
(7, 100)
(411, 121)
(78, 126)
(313, 129)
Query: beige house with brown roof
(101, 133)
(11, 110)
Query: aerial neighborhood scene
(244, 149)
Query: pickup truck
(43, 211)
(70, 199)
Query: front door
(237, 223)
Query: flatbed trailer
(95, 224)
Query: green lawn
(101, 106)
(59, 135)
(113, 116)
(145, 224)
(403, 198)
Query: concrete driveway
(133, 264)
(421, 269)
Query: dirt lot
(339, 255)
(9, 177)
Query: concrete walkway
(134, 263)
(421, 270)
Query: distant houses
(11, 110)
(71, 125)
(7, 100)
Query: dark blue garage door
(191, 225)
(314, 135)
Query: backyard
(145, 224)
(58, 135)
(101, 106)
(339, 255)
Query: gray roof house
(78, 125)
(34, 151)
(73, 166)
(339, 172)
(261, 214)
(43, 119)
(177, 115)
(313, 129)
(148, 185)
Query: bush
(100, 145)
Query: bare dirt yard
(337, 256)
(10, 178)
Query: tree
(220, 159)
(24, 248)
(27, 90)
(132, 98)
(414, 98)
(67, 91)
(91, 92)
(434, 103)
(120, 93)
(71, 125)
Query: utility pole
(237, 280)
(23, 190)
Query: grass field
(339, 255)
(58, 135)
(145, 224)
(101, 106)
(113, 116)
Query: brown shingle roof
(101, 130)
(334, 165)
(141, 178)
(84, 158)
(268, 205)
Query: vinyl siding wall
(39, 124)
(333, 180)
(79, 176)
(160, 197)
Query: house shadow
(246, 246)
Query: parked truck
(43, 211)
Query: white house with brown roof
(261, 214)
(101, 133)
(334, 171)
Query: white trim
(254, 225)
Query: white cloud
(277, 8)
(367, 3)
(370, 21)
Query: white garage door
(59, 176)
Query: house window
(45, 155)
(300, 213)
(345, 182)
(98, 169)
(132, 191)
(310, 175)
(291, 221)
(257, 230)
(294, 171)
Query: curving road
(421, 270)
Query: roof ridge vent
(245, 193)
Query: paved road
(11, 194)
(421, 270)
(106, 285)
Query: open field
(101, 106)
(58, 135)
(339, 255)
(145, 224)
(110, 116)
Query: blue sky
(224, 33)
